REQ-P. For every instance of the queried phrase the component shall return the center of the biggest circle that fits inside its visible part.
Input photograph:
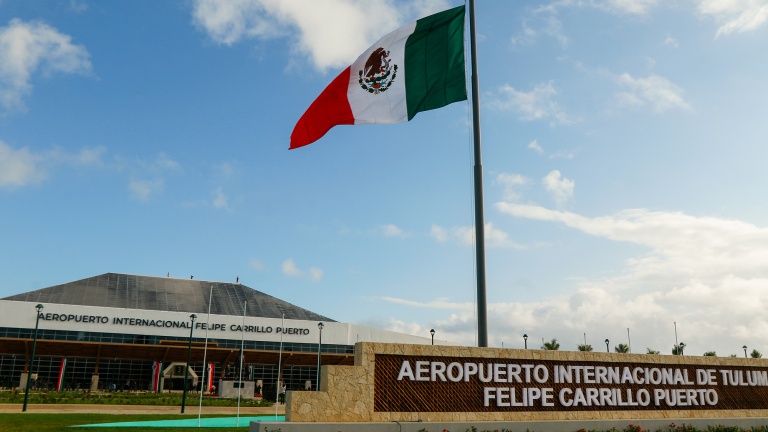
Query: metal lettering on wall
(92, 319)
(461, 384)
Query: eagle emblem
(378, 73)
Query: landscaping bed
(123, 398)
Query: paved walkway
(135, 409)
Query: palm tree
(678, 349)
(710, 354)
(650, 351)
(755, 354)
(622, 348)
(732, 355)
(552, 346)
(584, 347)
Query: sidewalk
(135, 409)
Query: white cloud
(554, 28)
(420, 8)
(707, 274)
(19, 167)
(78, 6)
(671, 42)
(142, 189)
(637, 7)
(23, 166)
(90, 156)
(27, 46)
(736, 16)
(332, 33)
(400, 326)
(657, 90)
(534, 105)
(256, 265)
(526, 37)
(511, 182)
(155, 168)
(494, 238)
(535, 146)
(439, 233)
(562, 154)
(391, 231)
(220, 200)
(164, 161)
(559, 187)
(315, 274)
(440, 303)
(225, 168)
(290, 269)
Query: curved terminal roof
(127, 291)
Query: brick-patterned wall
(347, 392)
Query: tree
(677, 350)
(755, 354)
(622, 348)
(552, 346)
(710, 354)
(584, 347)
(732, 355)
(650, 351)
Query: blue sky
(624, 155)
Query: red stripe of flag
(61, 375)
(210, 376)
(330, 109)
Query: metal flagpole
(279, 366)
(482, 316)
(240, 379)
(205, 351)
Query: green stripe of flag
(434, 62)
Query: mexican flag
(418, 67)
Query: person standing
(282, 392)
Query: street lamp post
(525, 338)
(38, 309)
(745, 351)
(192, 318)
(432, 332)
(319, 345)
(607, 349)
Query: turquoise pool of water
(216, 422)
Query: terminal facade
(116, 329)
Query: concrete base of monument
(513, 426)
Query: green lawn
(59, 422)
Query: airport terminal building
(115, 330)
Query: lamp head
(607, 341)
(682, 345)
(320, 325)
(745, 347)
(525, 336)
(432, 332)
(39, 308)
(193, 317)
